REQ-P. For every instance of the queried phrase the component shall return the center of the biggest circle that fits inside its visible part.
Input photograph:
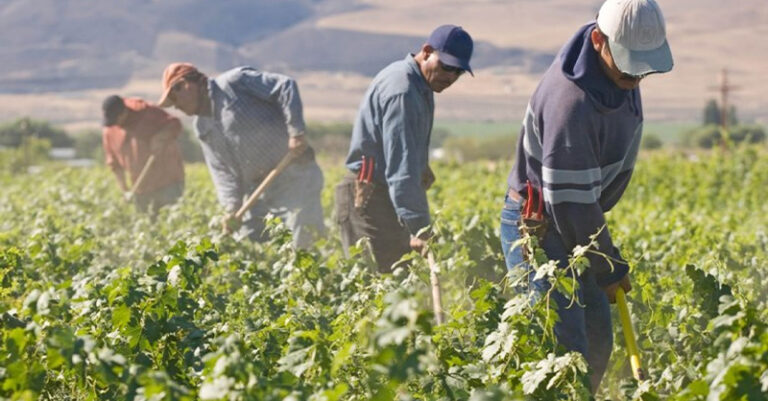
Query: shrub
(13, 133)
(710, 135)
(651, 142)
(30, 152)
(466, 149)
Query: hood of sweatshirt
(581, 64)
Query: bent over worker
(577, 149)
(133, 132)
(384, 195)
(247, 120)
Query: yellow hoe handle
(629, 335)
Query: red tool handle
(369, 177)
(528, 210)
(528, 201)
(361, 173)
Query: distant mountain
(311, 48)
(66, 45)
(68, 54)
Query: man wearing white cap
(576, 153)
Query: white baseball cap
(637, 36)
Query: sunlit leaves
(98, 302)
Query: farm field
(97, 302)
(668, 132)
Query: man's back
(129, 146)
(253, 115)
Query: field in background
(669, 132)
(478, 129)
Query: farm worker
(247, 120)
(578, 145)
(384, 195)
(133, 131)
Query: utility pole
(725, 88)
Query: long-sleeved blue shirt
(246, 135)
(393, 125)
(579, 142)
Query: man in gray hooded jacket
(577, 149)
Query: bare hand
(419, 242)
(419, 245)
(610, 290)
(297, 144)
(230, 223)
(427, 178)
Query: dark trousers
(151, 202)
(584, 326)
(377, 221)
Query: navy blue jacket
(579, 142)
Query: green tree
(732, 119)
(12, 134)
(711, 113)
(651, 141)
(30, 152)
(710, 135)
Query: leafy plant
(97, 302)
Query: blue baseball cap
(454, 46)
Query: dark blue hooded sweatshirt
(579, 142)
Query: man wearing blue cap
(575, 156)
(384, 196)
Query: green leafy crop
(100, 303)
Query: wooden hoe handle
(437, 303)
(264, 184)
(143, 173)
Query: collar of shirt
(421, 83)
(207, 124)
(213, 91)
